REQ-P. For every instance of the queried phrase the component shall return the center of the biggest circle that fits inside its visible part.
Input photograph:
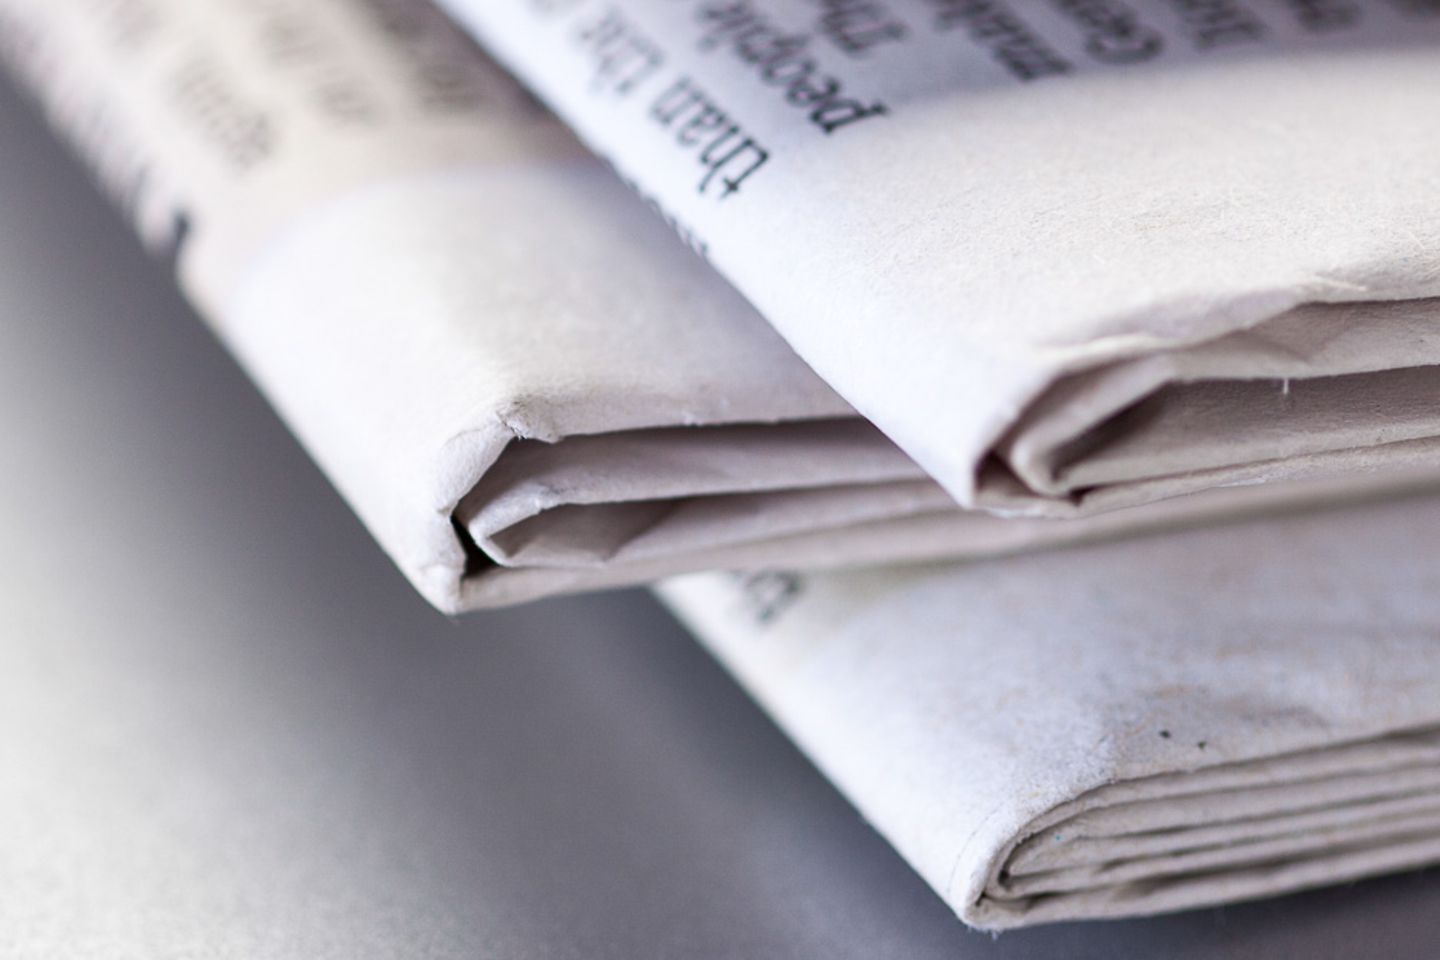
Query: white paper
(1122, 729)
(430, 279)
(1070, 256)
(505, 362)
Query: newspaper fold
(1070, 256)
(508, 366)
(1120, 729)
(487, 343)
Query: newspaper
(1071, 255)
(436, 285)
(509, 367)
(1128, 728)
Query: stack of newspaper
(864, 282)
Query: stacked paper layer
(1070, 259)
(524, 385)
(952, 281)
(1123, 729)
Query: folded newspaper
(1070, 254)
(1126, 728)
(496, 352)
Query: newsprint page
(1071, 255)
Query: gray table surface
(229, 729)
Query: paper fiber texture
(1119, 729)
(1070, 255)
